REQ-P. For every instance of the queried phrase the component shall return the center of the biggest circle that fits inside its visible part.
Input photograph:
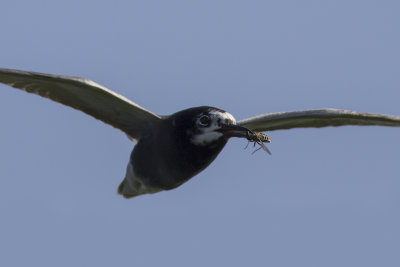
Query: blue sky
(326, 197)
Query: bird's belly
(166, 172)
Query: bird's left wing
(316, 119)
(84, 95)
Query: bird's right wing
(85, 95)
(316, 119)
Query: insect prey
(258, 138)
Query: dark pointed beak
(232, 130)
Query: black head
(206, 126)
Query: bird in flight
(172, 149)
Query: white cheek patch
(209, 134)
(205, 138)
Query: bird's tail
(125, 191)
(133, 185)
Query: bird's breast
(168, 161)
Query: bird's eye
(204, 120)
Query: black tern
(172, 149)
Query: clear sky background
(326, 197)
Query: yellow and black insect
(258, 138)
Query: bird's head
(204, 126)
